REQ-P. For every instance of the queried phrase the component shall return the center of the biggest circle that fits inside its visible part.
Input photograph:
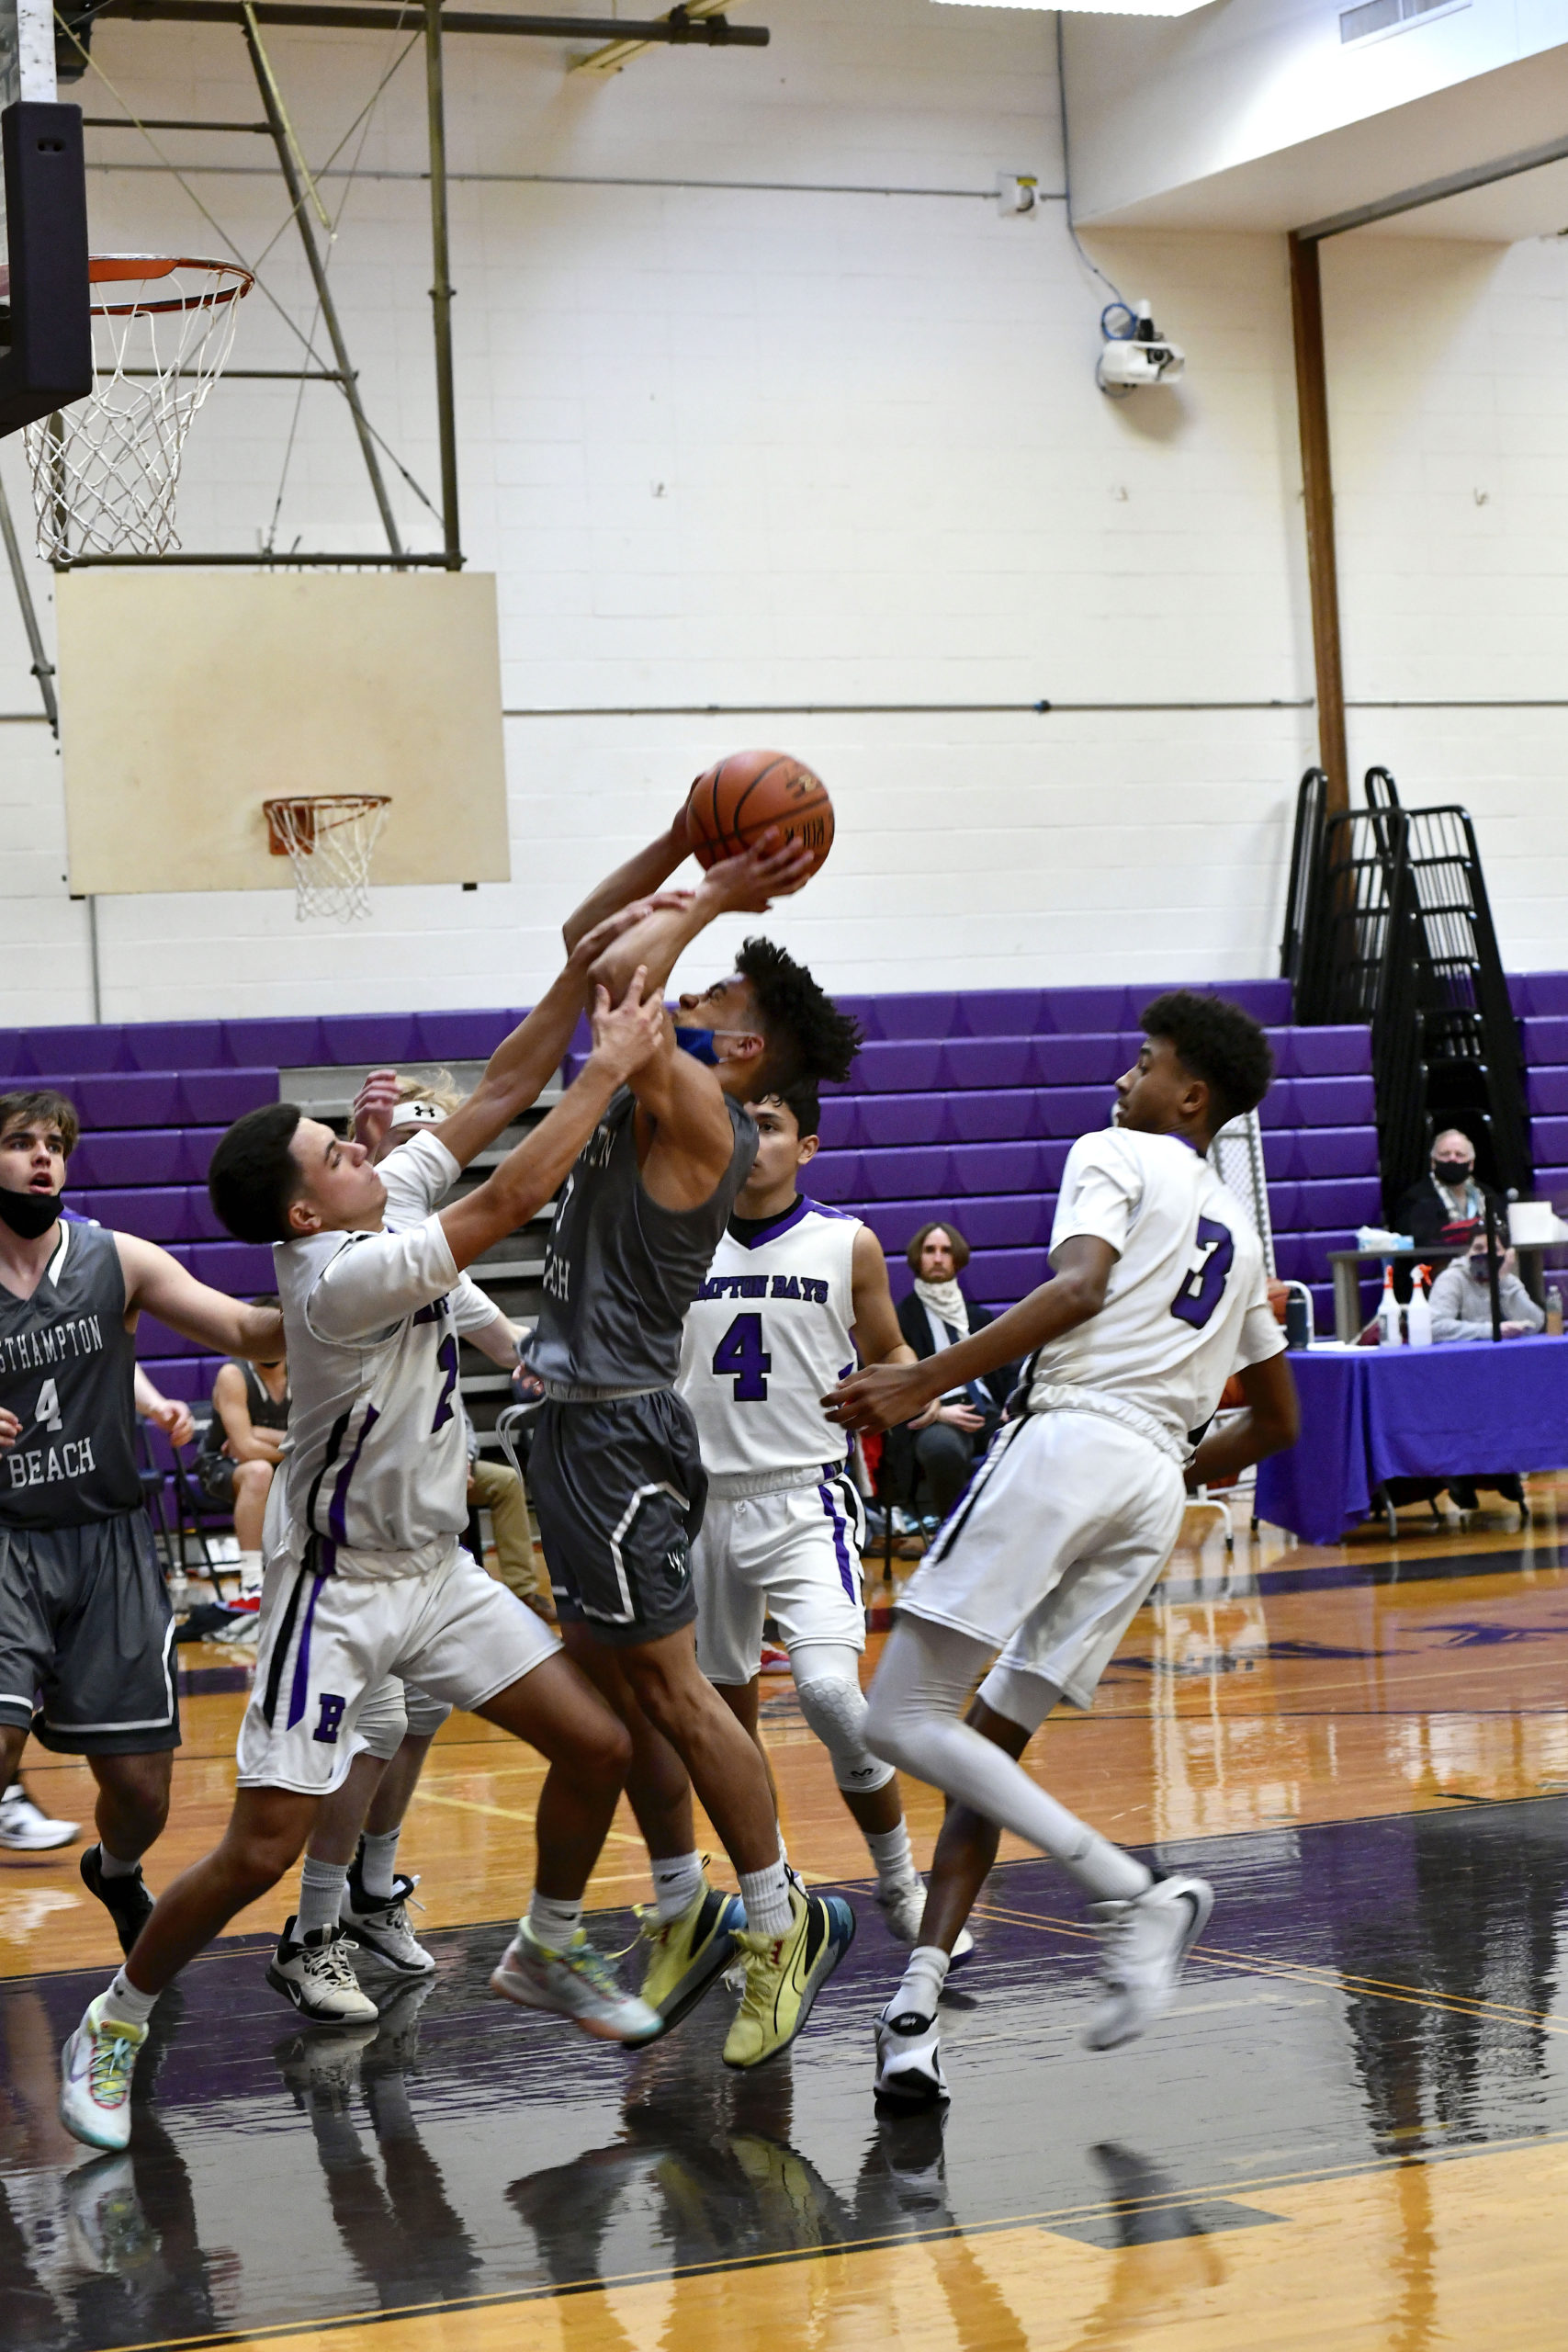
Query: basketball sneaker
(784, 1973)
(126, 1899)
(25, 1828)
(96, 2068)
(381, 1929)
(315, 1973)
(909, 2060)
(106, 2225)
(1144, 1945)
(903, 1905)
(687, 1953)
(577, 1983)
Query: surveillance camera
(1134, 354)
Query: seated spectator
(949, 1436)
(1447, 1204)
(241, 1448)
(1461, 1298)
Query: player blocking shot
(85, 1626)
(1157, 1297)
(616, 1474)
(795, 1292)
(365, 1574)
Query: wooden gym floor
(1352, 2131)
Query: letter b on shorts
(331, 1717)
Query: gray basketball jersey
(67, 1364)
(620, 1271)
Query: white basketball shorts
(328, 1642)
(1050, 1554)
(793, 1556)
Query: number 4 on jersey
(740, 1356)
(48, 1414)
(1203, 1286)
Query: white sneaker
(382, 1929)
(316, 1973)
(908, 2059)
(105, 2226)
(27, 1830)
(96, 2068)
(575, 1983)
(903, 1906)
(1144, 1948)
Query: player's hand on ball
(628, 1034)
(10, 1428)
(771, 868)
(373, 1108)
(878, 1398)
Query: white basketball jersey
(765, 1337)
(1186, 1303)
(376, 1458)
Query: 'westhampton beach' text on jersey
(1186, 1305)
(766, 1337)
(67, 1364)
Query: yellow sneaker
(687, 1954)
(784, 1975)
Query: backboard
(188, 697)
(46, 351)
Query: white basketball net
(330, 839)
(105, 469)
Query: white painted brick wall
(743, 445)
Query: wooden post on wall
(1317, 485)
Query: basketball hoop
(327, 838)
(105, 469)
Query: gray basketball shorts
(619, 1489)
(86, 1638)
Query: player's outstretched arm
(771, 868)
(1272, 1422)
(159, 1285)
(881, 1398)
(637, 878)
(625, 1035)
(522, 1064)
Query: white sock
(919, 1988)
(125, 2004)
(250, 1575)
(111, 1865)
(552, 1924)
(766, 1896)
(320, 1896)
(376, 1860)
(890, 1850)
(677, 1883)
(916, 1704)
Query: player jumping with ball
(1158, 1296)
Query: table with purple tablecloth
(1370, 1413)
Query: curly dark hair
(807, 1036)
(802, 1100)
(1217, 1042)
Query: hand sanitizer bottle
(1418, 1315)
(1388, 1313)
(1554, 1313)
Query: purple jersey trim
(338, 1509)
(299, 1688)
(841, 1547)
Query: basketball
(737, 800)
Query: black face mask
(29, 1215)
(1451, 1172)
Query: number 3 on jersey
(741, 1357)
(1203, 1284)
